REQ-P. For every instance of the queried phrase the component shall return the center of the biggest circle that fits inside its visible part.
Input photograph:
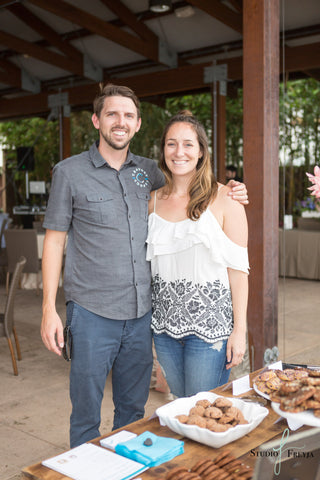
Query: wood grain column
(261, 167)
(222, 138)
(66, 136)
(221, 134)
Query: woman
(197, 244)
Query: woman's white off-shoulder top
(190, 285)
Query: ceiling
(55, 52)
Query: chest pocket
(102, 208)
(143, 200)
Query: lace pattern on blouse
(183, 308)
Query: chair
(22, 242)
(3, 250)
(7, 327)
(38, 226)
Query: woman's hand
(236, 348)
(238, 192)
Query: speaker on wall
(25, 158)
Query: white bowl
(252, 412)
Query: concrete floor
(35, 407)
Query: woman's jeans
(191, 365)
(99, 345)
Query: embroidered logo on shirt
(140, 177)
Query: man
(100, 198)
(231, 173)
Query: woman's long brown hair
(203, 186)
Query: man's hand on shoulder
(238, 192)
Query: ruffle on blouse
(165, 238)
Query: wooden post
(261, 168)
(221, 137)
(66, 136)
(3, 200)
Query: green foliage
(299, 139)
(83, 133)
(146, 141)
(37, 132)
(199, 104)
(234, 130)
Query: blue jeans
(191, 365)
(98, 345)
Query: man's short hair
(110, 90)
(232, 168)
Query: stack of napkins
(150, 449)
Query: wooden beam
(313, 74)
(237, 4)
(27, 48)
(39, 26)
(158, 83)
(99, 27)
(129, 18)
(10, 74)
(189, 77)
(220, 12)
(303, 57)
(261, 167)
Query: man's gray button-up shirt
(105, 213)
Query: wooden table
(299, 254)
(268, 429)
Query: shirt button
(124, 194)
(132, 238)
(129, 216)
(136, 284)
(134, 261)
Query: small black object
(25, 159)
(147, 442)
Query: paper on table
(96, 463)
(241, 385)
(293, 424)
(275, 366)
(113, 440)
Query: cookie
(195, 467)
(182, 418)
(211, 422)
(222, 455)
(289, 387)
(288, 375)
(222, 403)
(197, 410)
(197, 420)
(229, 415)
(268, 375)
(175, 471)
(313, 373)
(274, 383)
(209, 470)
(213, 412)
(203, 403)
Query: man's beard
(114, 145)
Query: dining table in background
(299, 254)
